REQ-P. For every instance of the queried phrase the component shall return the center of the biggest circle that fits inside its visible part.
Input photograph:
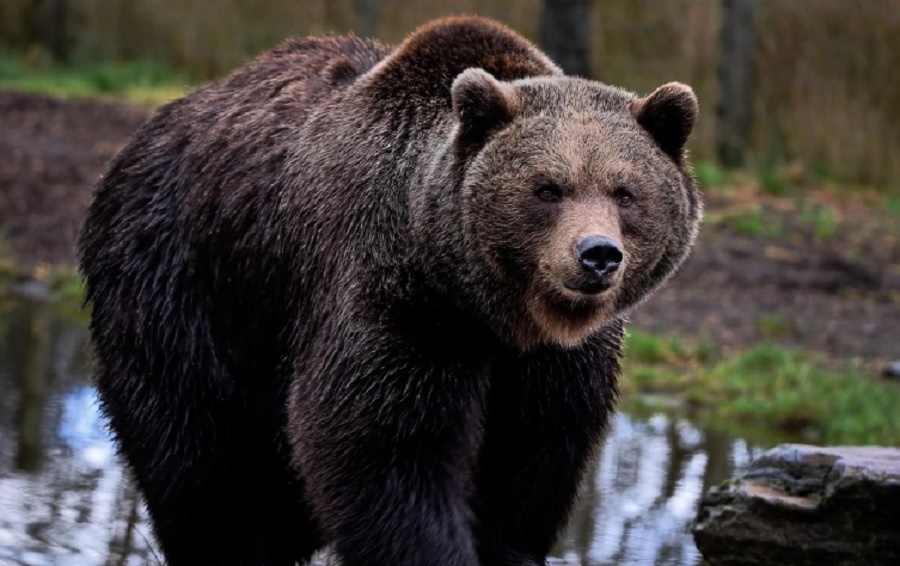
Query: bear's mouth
(590, 287)
(568, 305)
(577, 298)
(589, 284)
(567, 316)
(576, 291)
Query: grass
(766, 386)
(710, 175)
(892, 204)
(821, 218)
(756, 223)
(143, 82)
(772, 181)
(850, 220)
(771, 326)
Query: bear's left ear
(482, 104)
(668, 115)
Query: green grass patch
(755, 223)
(820, 218)
(772, 180)
(893, 204)
(771, 326)
(710, 175)
(765, 387)
(653, 349)
(137, 81)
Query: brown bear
(372, 297)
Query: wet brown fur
(328, 307)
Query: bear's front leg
(384, 435)
(546, 413)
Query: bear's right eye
(548, 193)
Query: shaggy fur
(337, 300)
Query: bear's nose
(599, 254)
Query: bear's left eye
(548, 193)
(624, 198)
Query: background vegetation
(826, 99)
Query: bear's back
(295, 77)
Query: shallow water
(66, 500)
(642, 494)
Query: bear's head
(576, 201)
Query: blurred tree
(565, 34)
(734, 109)
(49, 27)
(367, 17)
(57, 34)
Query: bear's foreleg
(384, 436)
(545, 416)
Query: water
(65, 498)
(642, 493)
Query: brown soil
(51, 153)
(798, 283)
(830, 286)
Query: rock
(806, 505)
(892, 369)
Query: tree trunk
(367, 17)
(47, 25)
(734, 109)
(565, 34)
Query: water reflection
(642, 492)
(66, 500)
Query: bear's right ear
(482, 104)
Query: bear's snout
(600, 257)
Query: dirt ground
(51, 153)
(832, 288)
